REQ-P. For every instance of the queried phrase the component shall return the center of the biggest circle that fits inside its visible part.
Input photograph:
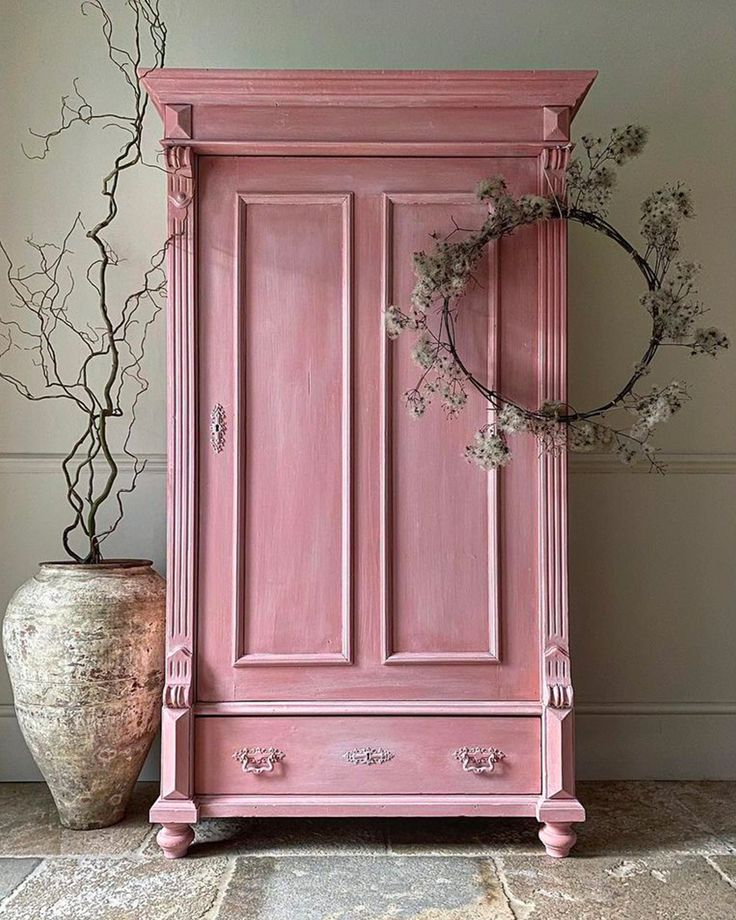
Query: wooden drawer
(332, 755)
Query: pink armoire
(359, 622)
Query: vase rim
(70, 564)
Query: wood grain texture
(421, 751)
(292, 417)
(445, 573)
(177, 720)
(432, 542)
(366, 88)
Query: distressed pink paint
(339, 580)
(420, 752)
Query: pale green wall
(653, 575)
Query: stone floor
(649, 850)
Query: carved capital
(554, 165)
(558, 686)
(178, 688)
(179, 163)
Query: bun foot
(174, 840)
(558, 839)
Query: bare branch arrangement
(626, 422)
(52, 308)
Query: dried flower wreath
(444, 274)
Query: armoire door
(347, 551)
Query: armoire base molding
(555, 815)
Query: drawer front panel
(332, 755)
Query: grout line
(141, 849)
(519, 909)
(222, 887)
(4, 902)
(716, 868)
(702, 824)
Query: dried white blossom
(585, 437)
(659, 405)
(415, 403)
(394, 321)
(627, 142)
(491, 189)
(590, 189)
(627, 453)
(424, 352)
(674, 316)
(513, 419)
(684, 273)
(661, 214)
(592, 177)
(489, 450)
(454, 399)
(535, 207)
(709, 341)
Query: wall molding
(699, 464)
(711, 463)
(687, 741)
(49, 463)
(615, 740)
(674, 708)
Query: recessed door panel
(440, 525)
(292, 439)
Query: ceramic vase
(84, 646)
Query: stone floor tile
(674, 887)
(633, 819)
(127, 888)
(365, 888)
(12, 873)
(462, 836)
(711, 803)
(29, 825)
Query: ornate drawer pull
(258, 759)
(368, 756)
(479, 759)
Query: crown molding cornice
(509, 88)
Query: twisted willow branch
(48, 313)
(445, 273)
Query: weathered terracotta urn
(85, 646)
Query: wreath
(624, 424)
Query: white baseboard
(626, 741)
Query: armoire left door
(346, 551)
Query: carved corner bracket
(180, 166)
(178, 687)
(558, 686)
(555, 161)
